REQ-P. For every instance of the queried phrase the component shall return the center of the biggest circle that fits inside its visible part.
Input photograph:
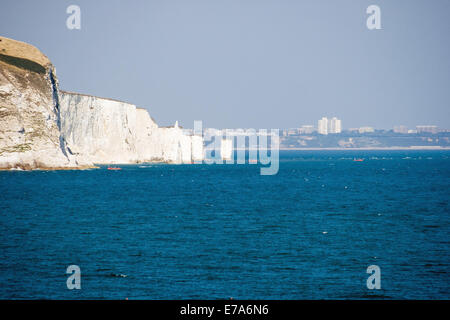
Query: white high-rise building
(326, 126)
(322, 126)
(334, 125)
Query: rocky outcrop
(29, 110)
(108, 131)
(42, 127)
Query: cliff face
(98, 130)
(42, 127)
(107, 131)
(29, 116)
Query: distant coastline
(371, 148)
(356, 149)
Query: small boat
(114, 168)
(359, 159)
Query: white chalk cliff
(109, 131)
(42, 127)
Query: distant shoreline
(355, 149)
(371, 148)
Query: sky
(250, 64)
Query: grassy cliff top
(22, 55)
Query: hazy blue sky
(258, 64)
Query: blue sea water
(220, 231)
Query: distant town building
(427, 129)
(212, 132)
(400, 129)
(306, 129)
(334, 125)
(326, 126)
(366, 129)
(322, 126)
(235, 132)
(292, 131)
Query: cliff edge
(29, 110)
